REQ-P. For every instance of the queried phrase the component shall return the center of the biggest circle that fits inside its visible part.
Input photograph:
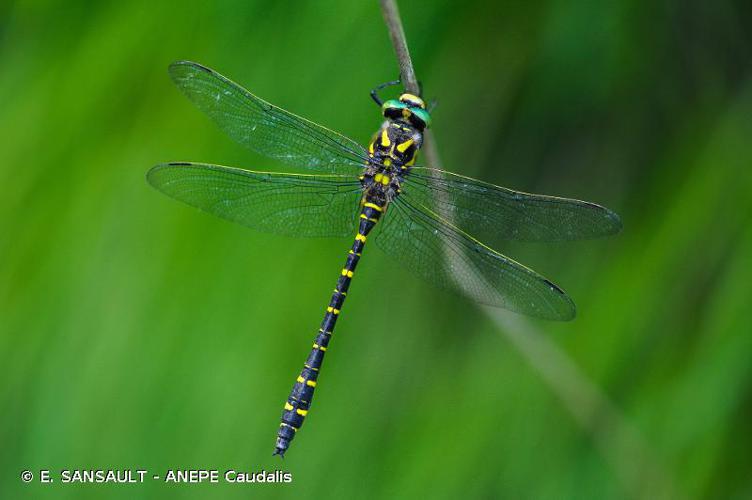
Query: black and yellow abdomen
(391, 153)
(299, 401)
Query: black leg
(432, 105)
(374, 92)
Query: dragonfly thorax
(381, 184)
(392, 152)
(396, 144)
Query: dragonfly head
(409, 108)
(412, 100)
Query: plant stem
(407, 72)
(620, 443)
(397, 34)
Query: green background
(137, 332)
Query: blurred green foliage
(137, 332)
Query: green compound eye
(393, 104)
(419, 117)
(422, 115)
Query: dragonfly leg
(374, 92)
(432, 105)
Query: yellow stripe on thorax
(403, 147)
(385, 139)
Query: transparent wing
(288, 204)
(493, 214)
(265, 128)
(443, 255)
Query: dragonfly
(435, 223)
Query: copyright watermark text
(139, 476)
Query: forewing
(265, 128)
(493, 213)
(445, 256)
(288, 204)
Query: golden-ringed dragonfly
(425, 216)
